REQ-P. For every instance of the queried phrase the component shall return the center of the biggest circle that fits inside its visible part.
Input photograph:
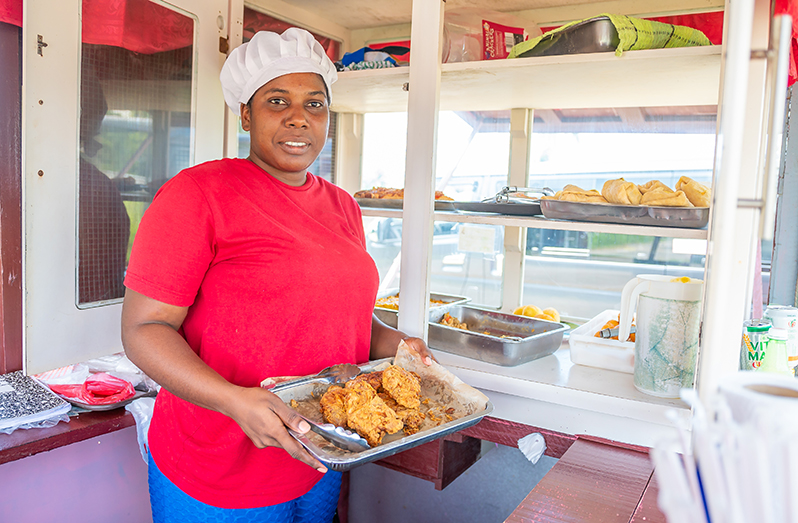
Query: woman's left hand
(417, 345)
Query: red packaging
(498, 40)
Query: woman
(244, 269)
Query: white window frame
(56, 331)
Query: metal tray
(390, 317)
(531, 338)
(516, 209)
(344, 460)
(386, 203)
(596, 35)
(111, 406)
(687, 217)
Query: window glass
(135, 131)
(581, 273)
(472, 163)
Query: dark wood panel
(592, 481)
(508, 433)
(23, 443)
(10, 200)
(440, 461)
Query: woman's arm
(151, 341)
(385, 340)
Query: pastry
(585, 197)
(698, 194)
(653, 184)
(621, 192)
(660, 197)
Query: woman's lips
(295, 146)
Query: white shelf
(652, 78)
(538, 222)
(555, 394)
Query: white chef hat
(268, 56)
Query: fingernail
(303, 426)
(428, 360)
(322, 469)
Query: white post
(515, 237)
(422, 126)
(348, 151)
(732, 238)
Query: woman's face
(287, 121)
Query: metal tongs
(505, 195)
(339, 436)
(609, 333)
(333, 374)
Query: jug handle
(631, 291)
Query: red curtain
(255, 21)
(136, 25)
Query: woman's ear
(245, 114)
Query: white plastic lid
(778, 334)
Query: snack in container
(621, 192)
(586, 349)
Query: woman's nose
(296, 117)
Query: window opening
(136, 76)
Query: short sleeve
(174, 244)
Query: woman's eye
(316, 104)
(277, 101)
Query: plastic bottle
(775, 357)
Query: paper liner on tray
(467, 396)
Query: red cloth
(98, 389)
(136, 25)
(278, 282)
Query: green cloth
(634, 34)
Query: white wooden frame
(56, 331)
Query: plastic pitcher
(666, 342)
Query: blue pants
(172, 505)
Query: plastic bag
(43, 424)
(464, 29)
(142, 409)
(98, 389)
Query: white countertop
(555, 394)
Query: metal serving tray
(530, 338)
(596, 35)
(344, 460)
(687, 217)
(390, 203)
(390, 317)
(514, 208)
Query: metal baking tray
(390, 317)
(514, 208)
(596, 35)
(389, 203)
(344, 460)
(530, 338)
(686, 217)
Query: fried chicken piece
(411, 418)
(373, 419)
(372, 378)
(451, 321)
(358, 394)
(403, 386)
(333, 406)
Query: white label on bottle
(476, 238)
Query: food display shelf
(555, 394)
(538, 222)
(656, 77)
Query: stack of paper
(24, 402)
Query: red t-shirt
(278, 283)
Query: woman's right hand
(265, 419)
